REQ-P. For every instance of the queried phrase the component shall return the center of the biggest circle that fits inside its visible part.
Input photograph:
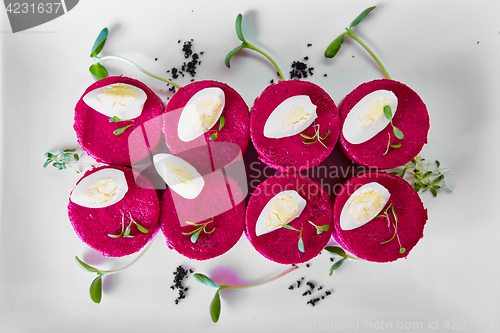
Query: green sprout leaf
(388, 112)
(222, 122)
(215, 307)
(96, 289)
(316, 137)
(335, 46)
(194, 236)
(336, 265)
(227, 60)
(121, 129)
(98, 71)
(361, 16)
(237, 24)
(141, 228)
(86, 267)
(205, 280)
(301, 243)
(99, 42)
(396, 146)
(320, 229)
(336, 250)
(63, 159)
(289, 227)
(397, 132)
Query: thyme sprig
(96, 285)
(246, 44)
(98, 71)
(385, 214)
(196, 232)
(316, 137)
(424, 174)
(126, 231)
(215, 305)
(65, 158)
(222, 122)
(335, 45)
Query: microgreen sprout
(63, 159)
(301, 241)
(222, 122)
(196, 232)
(98, 71)
(385, 214)
(96, 285)
(315, 138)
(115, 119)
(320, 228)
(397, 132)
(121, 129)
(336, 250)
(334, 46)
(126, 231)
(215, 305)
(245, 44)
(425, 174)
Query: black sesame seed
(324, 76)
(308, 45)
(306, 58)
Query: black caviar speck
(291, 287)
(156, 59)
(308, 45)
(306, 58)
(300, 70)
(308, 265)
(324, 76)
(180, 274)
(272, 81)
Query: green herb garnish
(98, 71)
(340, 252)
(121, 129)
(315, 138)
(126, 231)
(424, 175)
(300, 242)
(397, 132)
(321, 228)
(63, 159)
(222, 122)
(215, 305)
(334, 47)
(196, 232)
(395, 225)
(96, 285)
(115, 119)
(245, 44)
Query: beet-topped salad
(294, 125)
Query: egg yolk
(373, 112)
(294, 118)
(118, 96)
(366, 205)
(102, 191)
(206, 113)
(180, 173)
(281, 211)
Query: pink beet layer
(290, 154)
(235, 133)
(222, 201)
(95, 133)
(92, 225)
(411, 118)
(281, 245)
(364, 242)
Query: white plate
(446, 51)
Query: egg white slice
(291, 117)
(100, 189)
(122, 100)
(179, 175)
(366, 119)
(263, 227)
(347, 223)
(201, 113)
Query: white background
(447, 51)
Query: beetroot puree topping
(95, 135)
(94, 225)
(364, 241)
(411, 118)
(291, 154)
(281, 245)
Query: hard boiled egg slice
(291, 117)
(366, 119)
(283, 208)
(122, 100)
(201, 113)
(179, 175)
(100, 189)
(363, 205)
